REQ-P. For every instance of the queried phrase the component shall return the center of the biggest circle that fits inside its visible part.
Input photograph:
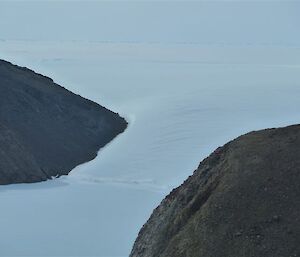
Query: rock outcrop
(242, 201)
(46, 130)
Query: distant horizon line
(153, 42)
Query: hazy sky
(169, 21)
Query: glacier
(183, 93)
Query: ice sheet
(181, 101)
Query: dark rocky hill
(242, 201)
(46, 130)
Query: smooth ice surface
(182, 101)
(186, 85)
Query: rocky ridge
(46, 130)
(242, 201)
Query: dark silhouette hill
(242, 201)
(46, 130)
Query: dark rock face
(242, 201)
(46, 130)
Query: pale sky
(230, 22)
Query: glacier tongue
(182, 101)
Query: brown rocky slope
(242, 201)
